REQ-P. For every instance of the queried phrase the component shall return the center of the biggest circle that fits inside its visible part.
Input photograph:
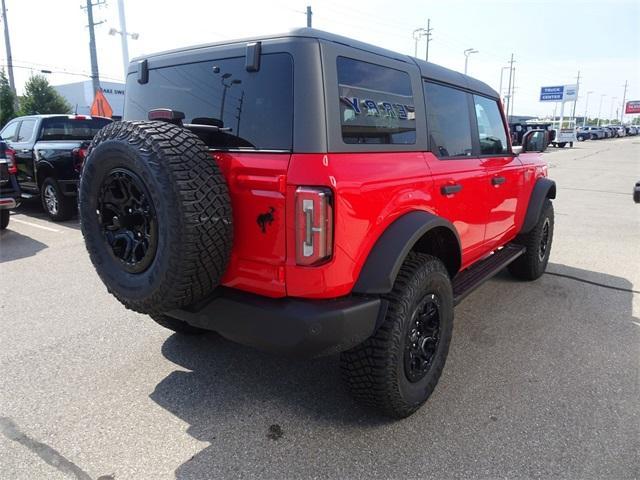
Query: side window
(493, 137)
(9, 132)
(376, 104)
(448, 121)
(26, 130)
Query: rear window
(448, 121)
(255, 109)
(376, 103)
(65, 128)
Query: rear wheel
(155, 215)
(594, 136)
(398, 367)
(4, 219)
(58, 206)
(532, 264)
(562, 144)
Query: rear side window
(255, 109)
(64, 128)
(376, 103)
(9, 132)
(493, 137)
(26, 130)
(448, 121)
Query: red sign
(101, 107)
(633, 107)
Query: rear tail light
(78, 155)
(12, 167)
(314, 225)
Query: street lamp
(613, 100)
(501, 73)
(586, 106)
(600, 107)
(468, 52)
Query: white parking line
(13, 219)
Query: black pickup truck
(49, 151)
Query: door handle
(450, 189)
(498, 181)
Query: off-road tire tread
(368, 369)
(199, 250)
(528, 266)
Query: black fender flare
(392, 247)
(543, 189)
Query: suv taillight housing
(314, 225)
(12, 166)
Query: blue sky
(551, 40)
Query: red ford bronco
(310, 194)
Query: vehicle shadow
(33, 208)
(514, 366)
(14, 246)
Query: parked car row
(606, 131)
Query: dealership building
(80, 96)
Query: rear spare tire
(155, 214)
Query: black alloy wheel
(128, 220)
(421, 340)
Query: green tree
(40, 97)
(635, 121)
(7, 100)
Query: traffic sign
(101, 107)
(633, 106)
(552, 94)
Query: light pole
(468, 52)
(600, 107)
(123, 37)
(586, 107)
(418, 33)
(613, 100)
(501, 74)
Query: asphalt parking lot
(542, 380)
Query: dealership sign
(560, 93)
(633, 107)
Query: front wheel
(4, 219)
(562, 144)
(57, 206)
(533, 262)
(398, 367)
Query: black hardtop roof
(428, 70)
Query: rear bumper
(296, 327)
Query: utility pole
(95, 76)
(309, 14)
(428, 35)
(573, 114)
(511, 62)
(7, 44)
(624, 99)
